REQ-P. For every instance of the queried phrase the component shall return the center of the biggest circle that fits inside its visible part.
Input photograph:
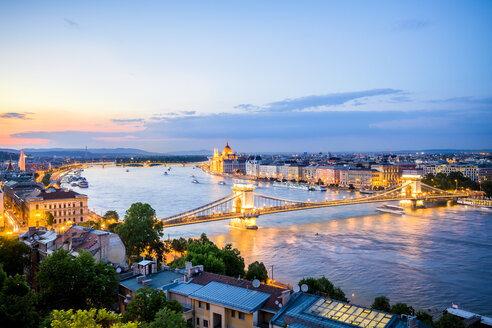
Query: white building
(469, 171)
(268, 171)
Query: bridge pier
(244, 205)
(244, 223)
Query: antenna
(304, 288)
(256, 283)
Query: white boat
(222, 183)
(83, 184)
(486, 209)
(194, 181)
(192, 176)
(367, 191)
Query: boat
(367, 191)
(194, 181)
(486, 209)
(74, 184)
(391, 209)
(127, 170)
(165, 173)
(83, 184)
(192, 176)
(222, 183)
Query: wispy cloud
(72, 24)
(127, 121)
(317, 101)
(411, 24)
(22, 116)
(465, 100)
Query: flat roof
(467, 315)
(241, 299)
(185, 288)
(159, 280)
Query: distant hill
(81, 152)
(202, 152)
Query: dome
(227, 150)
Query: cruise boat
(83, 184)
(392, 209)
(194, 181)
(367, 191)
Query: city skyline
(268, 77)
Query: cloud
(247, 107)
(412, 24)
(465, 100)
(318, 101)
(22, 116)
(413, 124)
(72, 24)
(126, 121)
(124, 138)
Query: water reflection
(428, 258)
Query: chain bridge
(243, 206)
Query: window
(205, 323)
(240, 315)
(81, 219)
(50, 206)
(64, 205)
(233, 313)
(81, 204)
(208, 306)
(200, 304)
(198, 321)
(81, 211)
(37, 206)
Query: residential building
(309, 174)
(387, 176)
(268, 171)
(252, 168)
(359, 178)
(485, 174)
(468, 170)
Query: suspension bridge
(243, 206)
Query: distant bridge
(243, 206)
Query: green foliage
(47, 219)
(324, 287)
(257, 270)
(381, 303)
(175, 306)
(17, 302)
(450, 181)
(145, 304)
(424, 317)
(179, 245)
(167, 318)
(92, 318)
(449, 321)
(14, 255)
(487, 188)
(75, 283)
(46, 179)
(226, 261)
(177, 263)
(111, 215)
(402, 308)
(141, 231)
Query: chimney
(285, 297)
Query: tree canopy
(145, 304)
(167, 318)
(17, 302)
(66, 282)
(381, 303)
(449, 321)
(141, 232)
(93, 318)
(324, 287)
(257, 270)
(14, 255)
(227, 261)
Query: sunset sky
(265, 75)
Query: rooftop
(241, 299)
(52, 194)
(159, 280)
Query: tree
(257, 270)
(179, 245)
(47, 219)
(93, 318)
(449, 321)
(324, 287)
(233, 261)
(424, 317)
(381, 303)
(14, 255)
(175, 306)
(46, 179)
(111, 215)
(141, 231)
(402, 308)
(145, 304)
(167, 318)
(66, 282)
(17, 302)
(487, 188)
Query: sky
(264, 75)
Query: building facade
(469, 171)
(227, 162)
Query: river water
(427, 258)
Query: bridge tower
(244, 205)
(412, 189)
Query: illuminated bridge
(243, 206)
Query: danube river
(427, 258)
